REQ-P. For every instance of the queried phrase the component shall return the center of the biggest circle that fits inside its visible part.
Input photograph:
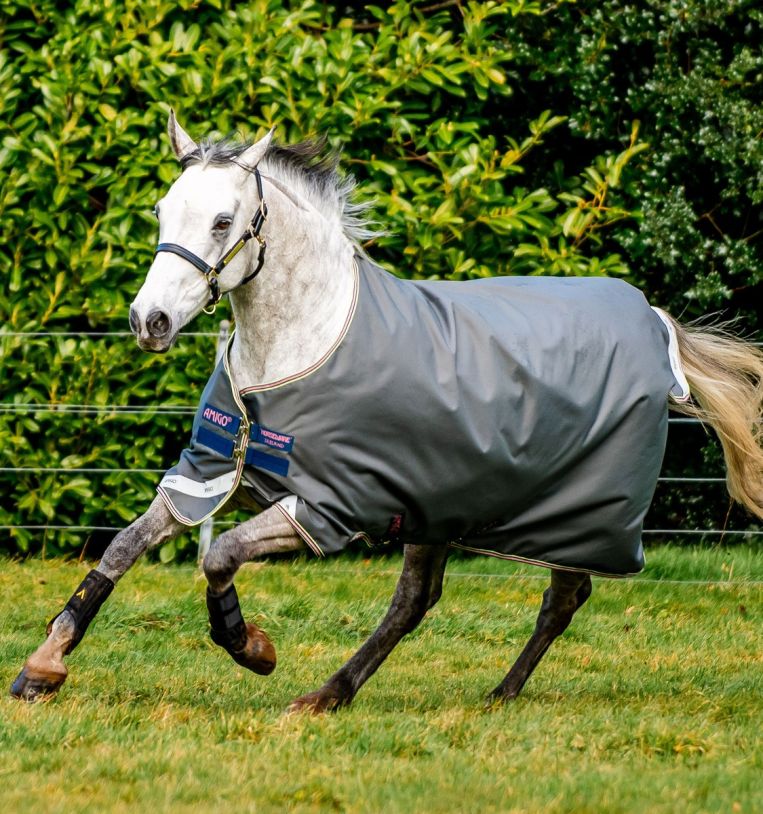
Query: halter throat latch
(211, 273)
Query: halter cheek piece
(211, 273)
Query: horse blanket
(524, 418)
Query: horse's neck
(291, 315)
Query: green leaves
(690, 71)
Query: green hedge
(495, 138)
(692, 72)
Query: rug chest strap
(227, 626)
(84, 604)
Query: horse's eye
(222, 225)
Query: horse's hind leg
(267, 533)
(44, 671)
(567, 592)
(418, 589)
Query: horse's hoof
(258, 654)
(499, 697)
(493, 702)
(316, 703)
(35, 684)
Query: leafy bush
(494, 137)
(691, 72)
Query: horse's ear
(252, 156)
(181, 142)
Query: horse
(522, 418)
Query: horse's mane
(308, 168)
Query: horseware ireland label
(262, 435)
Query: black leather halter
(211, 273)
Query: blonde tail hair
(725, 375)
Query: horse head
(205, 218)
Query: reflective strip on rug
(211, 488)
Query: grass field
(652, 701)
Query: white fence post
(206, 528)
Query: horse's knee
(212, 564)
(219, 564)
(154, 527)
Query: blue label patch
(215, 442)
(219, 418)
(271, 438)
(279, 466)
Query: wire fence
(221, 336)
(89, 334)
(88, 470)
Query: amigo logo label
(271, 438)
(221, 419)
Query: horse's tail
(725, 376)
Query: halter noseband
(211, 273)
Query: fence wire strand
(87, 334)
(230, 523)
(90, 409)
(25, 408)
(85, 470)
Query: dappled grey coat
(519, 417)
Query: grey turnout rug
(519, 417)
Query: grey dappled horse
(518, 417)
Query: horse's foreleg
(267, 533)
(568, 591)
(418, 589)
(44, 671)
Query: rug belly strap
(84, 604)
(227, 626)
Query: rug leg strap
(227, 626)
(84, 604)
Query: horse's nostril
(134, 321)
(157, 323)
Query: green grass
(652, 702)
